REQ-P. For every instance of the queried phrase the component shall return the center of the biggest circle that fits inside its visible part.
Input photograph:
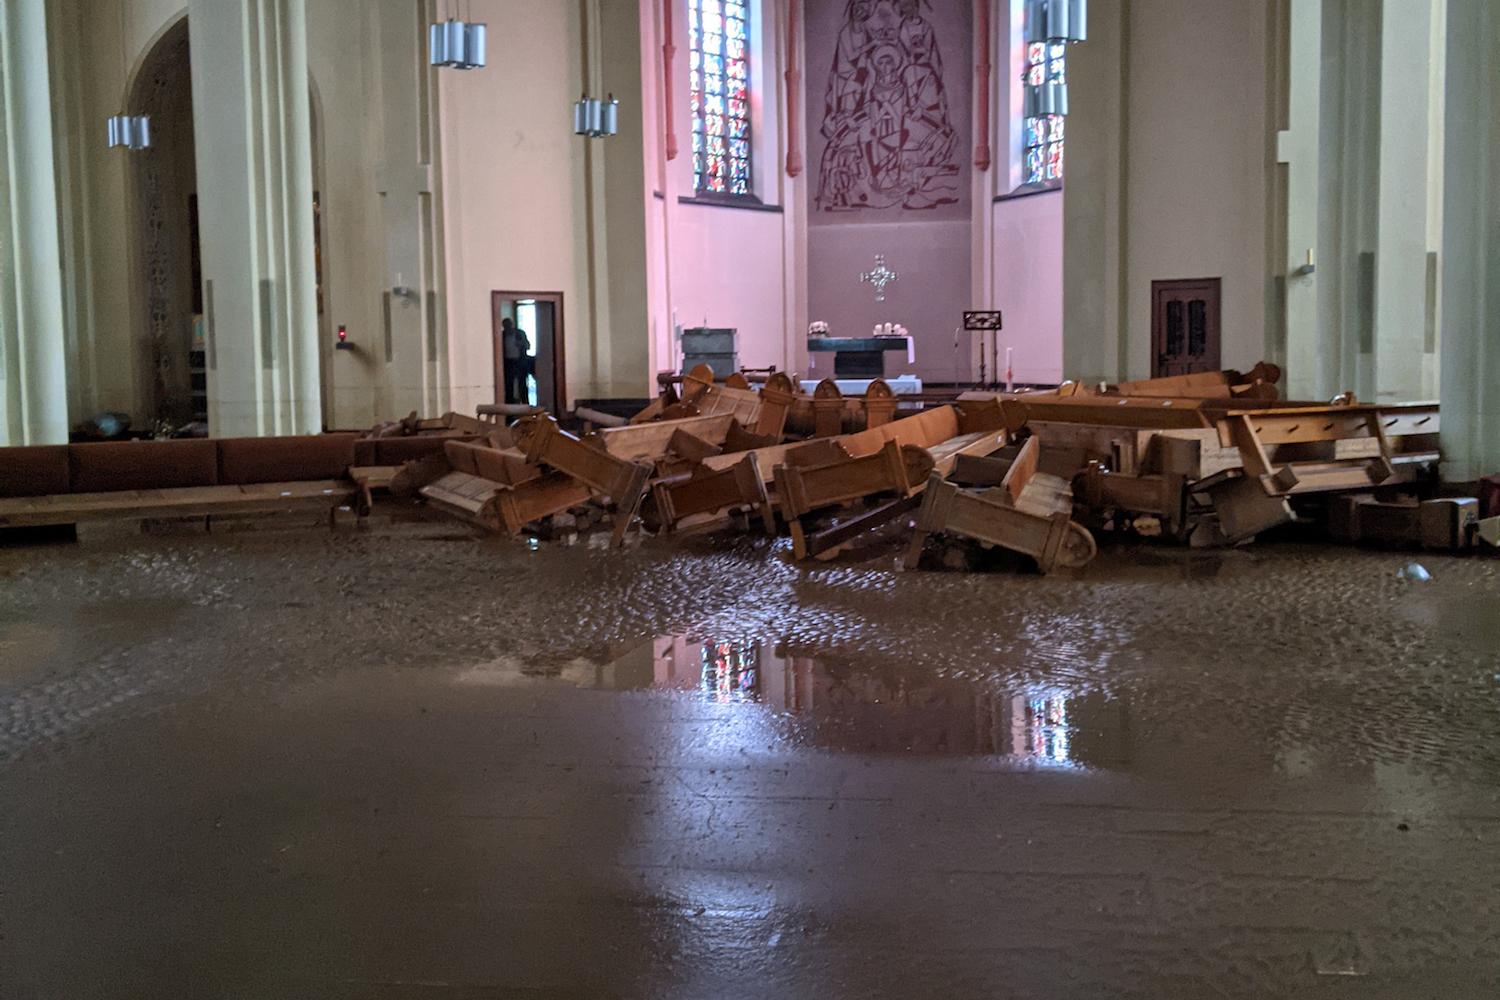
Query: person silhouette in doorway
(517, 348)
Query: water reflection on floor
(822, 701)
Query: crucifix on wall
(880, 277)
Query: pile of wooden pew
(1207, 459)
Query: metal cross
(880, 277)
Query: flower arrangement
(891, 330)
(817, 328)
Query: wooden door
(1185, 333)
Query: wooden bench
(1022, 514)
(202, 477)
(181, 502)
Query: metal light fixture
(457, 43)
(594, 118)
(1057, 20)
(132, 132)
(1048, 98)
(1052, 23)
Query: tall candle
(1010, 375)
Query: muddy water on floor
(819, 701)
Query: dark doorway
(1185, 332)
(164, 243)
(540, 378)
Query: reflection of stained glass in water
(1048, 719)
(731, 671)
(719, 86)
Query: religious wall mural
(887, 120)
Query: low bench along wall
(118, 466)
(65, 484)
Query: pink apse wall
(888, 171)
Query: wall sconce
(594, 118)
(132, 132)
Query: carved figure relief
(891, 140)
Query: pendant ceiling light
(457, 43)
(594, 118)
(1054, 24)
(132, 132)
(1057, 20)
(1049, 98)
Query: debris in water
(1414, 571)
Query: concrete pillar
(1308, 374)
(1094, 199)
(255, 196)
(33, 349)
(1401, 257)
(1471, 244)
(416, 372)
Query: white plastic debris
(1414, 571)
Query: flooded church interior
(749, 498)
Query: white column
(1401, 257)
(255, 195)
(1470, 341)
(1094, 196)
(33, 349)
(1309, 368)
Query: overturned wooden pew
(622, 482)
(894, 459)
(1023, 514)
(498, 489)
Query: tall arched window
(719, 85)
(1045, 61)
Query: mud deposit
(405, 762)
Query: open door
(533, 371)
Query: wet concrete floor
(404, 762)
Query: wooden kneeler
(988, 517)
(623, 482)
(705, 492)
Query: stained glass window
(719, 85)
(1044, 133)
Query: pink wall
(727, 267)
(1028, 277)
(889, 93)
(727, 270)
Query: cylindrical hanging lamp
(1057, 20)
(1041, 99)
(132, 132)
(609, 116)
(474, 46)
(581, 116)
